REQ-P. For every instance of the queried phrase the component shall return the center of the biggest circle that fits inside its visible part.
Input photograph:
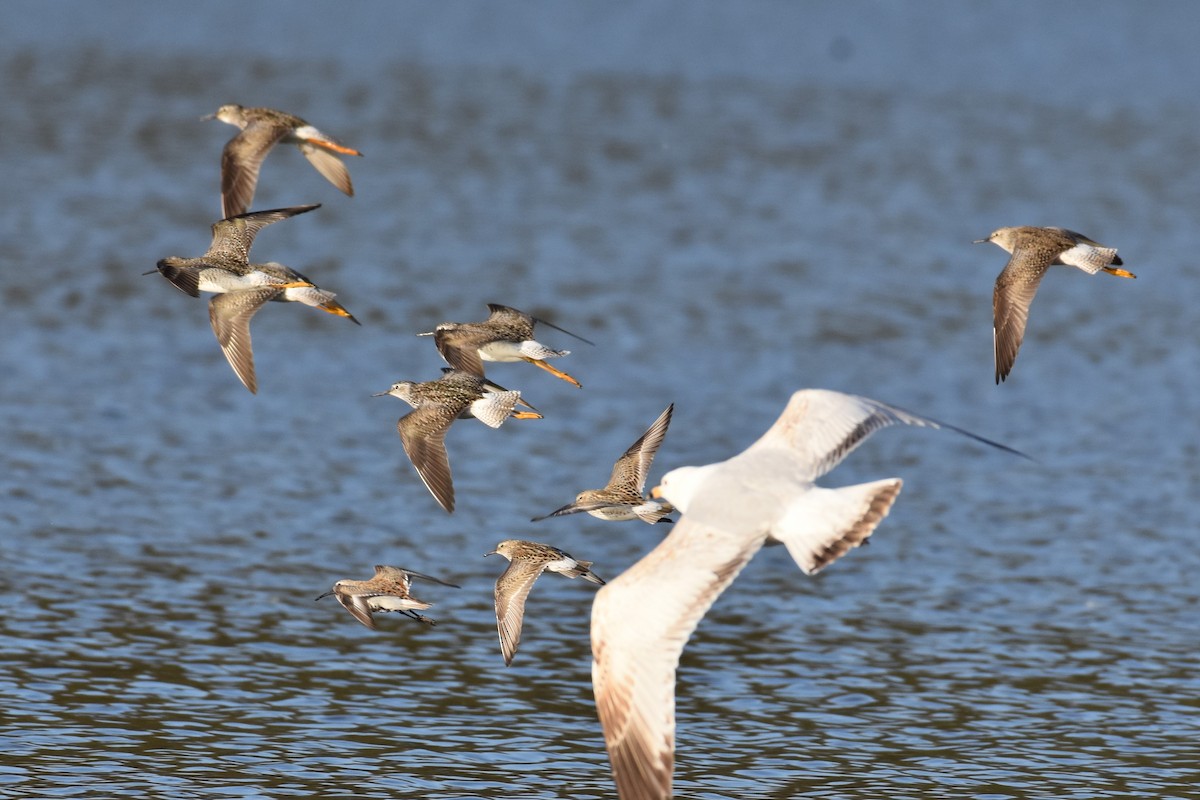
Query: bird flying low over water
(505, 336)
(643, 617)
(436, 404)
(1034, 250)
(388, 590)
(622, 498)
(260, 130)
(242, 288)
(528, 560)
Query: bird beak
(569, 508)
(980, 241)
(207, 117)
(494, 552)
(381, 394)
(656, 492)
(324, 595)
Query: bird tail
(824, 524)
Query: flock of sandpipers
(765, 495)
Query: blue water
(732, 202)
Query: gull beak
(656, 492)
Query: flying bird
(622, 498)
(528, 560)
(242, 288)
(260, 130)
(505, 336)
(1034, 250)
(436, 404)
(388, 590)
(642, 619)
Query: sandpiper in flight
(622, 498)
(261, 129)
(388, 590)
(1034, 250)
(242, 288)
(528, 560)
(436, 404)
(505, 336)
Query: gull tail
(824, 524)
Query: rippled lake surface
(725, 236)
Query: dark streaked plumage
(528, 560)
(642, 619)
(505, 336)
(622, 498)
(261, 129)
(242, 288)
(1034, 250)
(388, 590)
(457, 394)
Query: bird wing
(1011, 299)
(358, 607)
(512, 588)
(229, 314)
(635, 654)
(820, 427)
(631, 468)
(241, 161)
(330, 166)
(460, 348)
(232, 238)
(423, 434)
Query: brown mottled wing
(356, 604)
(233, 237)
(423, 433)
(511, 590)
(460, 348)
(1014, 292)
(241, 161)
(635, 654)
(329, 165)
(631, 468)
(229, 314)
(518, 322)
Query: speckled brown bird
(622, 498)
(436, 404)
(1034, 250)
(388, 590)
(505, 336)
(262, 129)
(528, 560)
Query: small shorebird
(622, 498)
(1034, 250)
(528, 560)
(261, 129)
(436, 404)
(242, 288)
(506, 335)
(388, 590)
(642, 618)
